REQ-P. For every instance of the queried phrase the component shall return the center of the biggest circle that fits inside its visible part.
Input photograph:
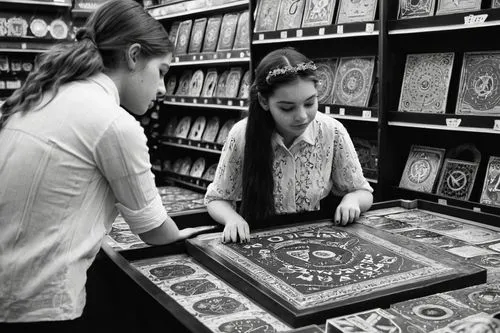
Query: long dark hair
(258, 182)
(100, 47)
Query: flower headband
(290, 69)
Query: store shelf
(29, 4)
(25, 46)
(470, 205)
(207, 147)
(208, 102)
(81, 13)
(189, 9)
(314, 33)
(369, 114)
(212, 58)
(447, 122)
(188, 181)
(469, 20)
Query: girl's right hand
(236, 229)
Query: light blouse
(65, 172)
(320, 161)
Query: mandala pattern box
(304, 273)
(453, 6)
(290, 14)
(326, 77)
(212, 33)
(267, 15)
(354, 81)
(197, 34)
(426, 82)
(491, 188)
(242, 38)
(210, 301)
(416, 8)
(457, 179)
(479, 92)
(182, 40)
(318, 13)
(422, 168)
(227, 31)
(356, 11)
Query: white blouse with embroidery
(320, 161)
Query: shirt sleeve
(347, 174)
(227, 182)
(123, 158)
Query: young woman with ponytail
(71, 157)
(285, 156)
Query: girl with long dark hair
(285, 156)
(72, 156)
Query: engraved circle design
(198, 168)
(456, 180)
(196, 83)
(211, 129)
(228, 30)
(58, 29)
(421, 233)
(482, 90)
(183, 127)
(39, 28)
(185, 166)
(486, 297)
(253, 325)
(183, 89)
(198, 128)
(325, 77)
(221, 305)
(16, 27)
(432, 311)
(425, 86)
(352, 84)
(312, 254)
(171, 85)
(492, 260)
(193, 287)
(419, 171)
(445, 225)
(171, 271)
(232, 84)
(220, 91)
(210, 84)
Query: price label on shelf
(369, 28)
(215, 56)
(205, 101)
(442, 202)
(367, 114)
(242, 54)
(242, 103)
(342, 111)
(173, 99)
(195, 101)
(201, 56)
(194, 57)
(24, 46)
(453, 122)
(327, 110)
(230, 103)
(321, 31)
(476, 209)
(340, 29)
(299, 33)
(496, 125)
(261, 36)
(475, 19)
(228, 55)
(284, 34)
(183, 100)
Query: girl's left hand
(347, 211)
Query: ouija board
(172, 34)
(267, 15)
(457, 179)
(304, 273)
(325, 74)
(242, 38)
(244, 91)
(416, 8)
(211, 129)
(491, 187)
(210, 83)
(375, 320)
(171, 85)
(211, 301)
(197, 34)
(198, 168)
(457, 6)
(220, 90)
(318, 12)
(433, 312)
(483, 298)
(233, 82)
(227, 31)
(356, 11)
(290, 14)
(171, 126)
(212, 33)
(197, 128)
(479, 92)
(426, 82)
(354, 81)
(182, 40)
(422, 168)
(184, 83)
(196, 83)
